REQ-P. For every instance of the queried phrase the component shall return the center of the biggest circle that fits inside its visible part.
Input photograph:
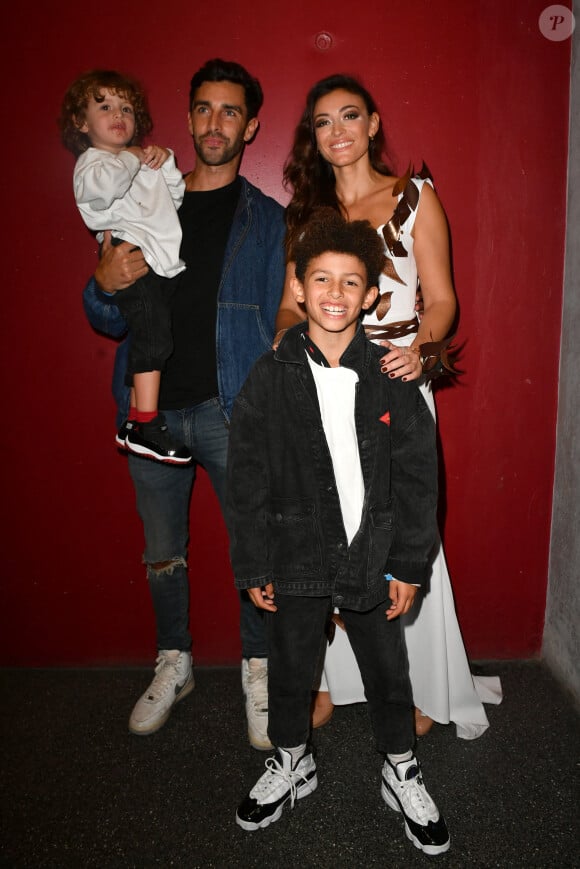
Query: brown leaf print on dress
(392, 231)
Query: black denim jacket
(283, 510)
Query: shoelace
(415, 797)
(274, 770)
(165, 674)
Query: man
(223, 314)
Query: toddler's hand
(155, 156)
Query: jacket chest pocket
(294, 537)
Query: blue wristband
(389, 577)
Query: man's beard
(219, 158)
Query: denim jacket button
(278, 517)
(340, 546)
(338, 599)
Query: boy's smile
(334, 292)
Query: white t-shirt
(336, 389)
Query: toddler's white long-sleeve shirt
(138, 204)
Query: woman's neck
(362, 191)
(354, 182)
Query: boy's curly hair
(91, 84)
(328, 231)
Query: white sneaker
(255, 688)
(402, 789)
(172, 682)
(280, 784)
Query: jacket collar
(356, 356)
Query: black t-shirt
(190, 375)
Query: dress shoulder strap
(407, 206)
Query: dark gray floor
(78, 790)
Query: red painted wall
(477, 91)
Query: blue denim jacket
(282, 507)
(248, 298)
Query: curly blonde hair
(91, 84)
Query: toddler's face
(109, 121)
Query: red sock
(132, 414)
(145, 415)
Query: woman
(336, 160)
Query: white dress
(441, 680)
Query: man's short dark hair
(327, 231)
(226, 70)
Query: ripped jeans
(163, 496)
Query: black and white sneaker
(280, 784)
(403, 790)
(153, 440)
(123, 433)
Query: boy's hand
(402, 596)
(155, 156)
(263, 598)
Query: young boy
(332, 488)
(135, 193)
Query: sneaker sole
(430, 850)
(122, 445)
(260, 744)
(301, 792)
(150, 454)
(153, 728)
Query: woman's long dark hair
(306, 173)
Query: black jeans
(296, 638)
(145, 306)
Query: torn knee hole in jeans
(161, 568)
